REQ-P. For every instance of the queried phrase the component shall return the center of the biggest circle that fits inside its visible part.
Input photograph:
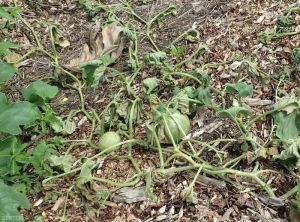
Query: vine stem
(150, 23)
(290, 193)
(128, 183)
(266, 114)
(131, 136)
(132, 12)
(160, 153)
(201, 49)
(109, 149)
(169, 132)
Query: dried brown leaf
(109, 42)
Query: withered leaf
(109, 42)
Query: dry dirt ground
(228, 27)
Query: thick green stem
(128, 183)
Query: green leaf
(64, 162)
(284, 21)
(4, 14)
(5, 46)
(11, 156)
(38, 158)
(86, 172)
(93, 71)
(122, 109)
(288, 125)
(178, 51)
(233, 112)
(14, 115)
(155, 58)
(204, 96)
(151, 85)
(243, 89)
(296, 56)
(182, 102)
(10, 201)
(65, 127)
(291, 153)
(39, 92)
(6, 71)
(203, 77)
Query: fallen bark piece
(130, 195)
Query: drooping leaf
(59, 38)
(13, 11)
(65, 127)
(86, 172)
(296, 56)
(288, 125)
(291, 153)
(14, 115)
(93, 71)
(6, 71)
(38, 157)
(10, 201)
(151, 85)
(190, 92)
(125, 111)
(243, 89)
(181, 101)
(233, 112)
(11, 155)
(155, 58)
(284, 21)
(5, 46)
(178, 51)
(39, 92)
(6, 15)
(203, 95)
(203, 77)
(63, 162)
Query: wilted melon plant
(159, 104)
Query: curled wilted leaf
(109, 42)
(59, 38)
(151, 85)
(243, 89)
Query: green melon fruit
(173, 122)
(110, 140)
